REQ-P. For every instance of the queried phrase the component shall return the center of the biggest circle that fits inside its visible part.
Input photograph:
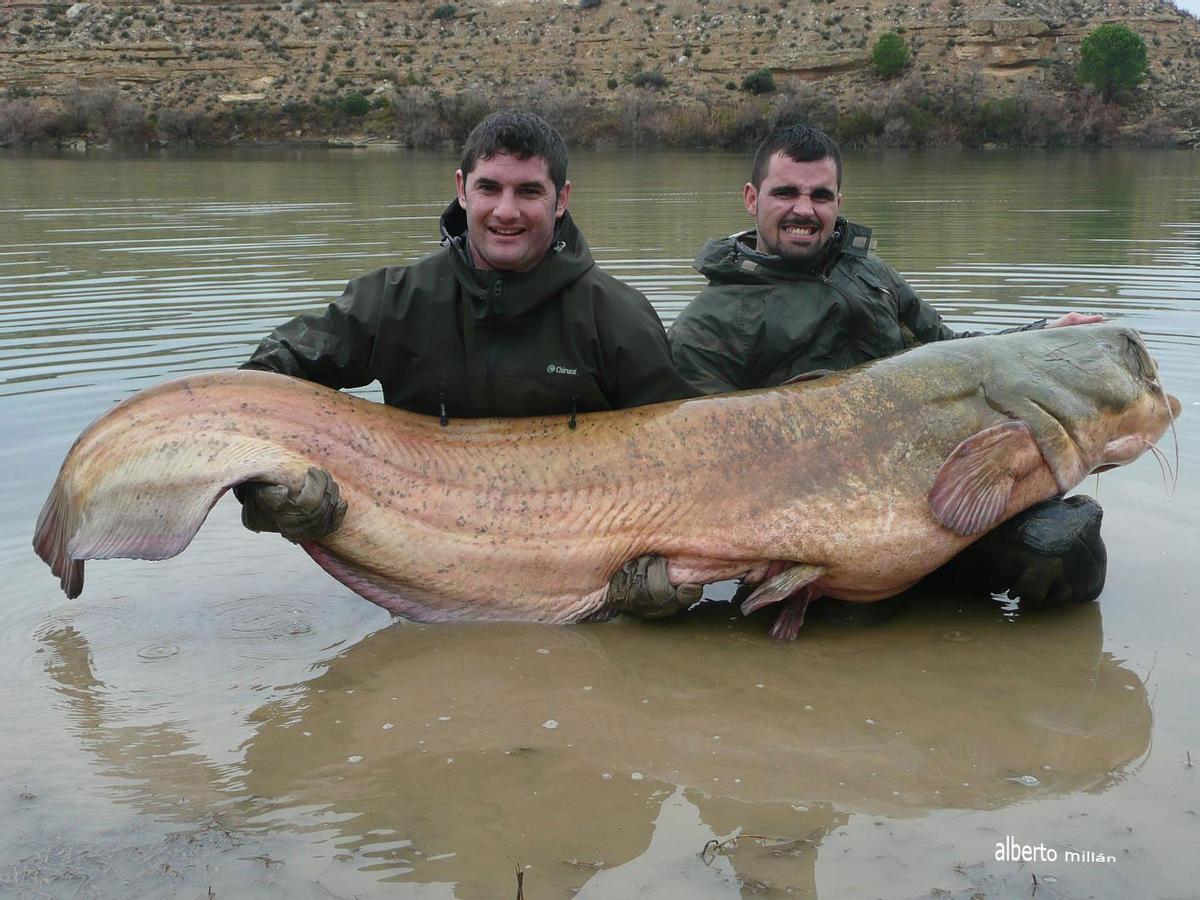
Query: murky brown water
(233, 720)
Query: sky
(1192, 6)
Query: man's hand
(641, 587)
(314, 511)
(1075, 318)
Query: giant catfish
(853, 485)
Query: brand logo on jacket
(554, 369)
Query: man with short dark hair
(802, 292)
(512, 317)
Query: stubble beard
(803, 256)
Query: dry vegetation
(692, 73)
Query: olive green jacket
(444, 338)
(763, 320)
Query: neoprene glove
(312, 512)
(641, 587)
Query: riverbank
(604, 71)
(914, 111)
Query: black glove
(313, 512)
(641, 587)
(1050, 555)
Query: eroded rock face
(817, 66)
(1006, 43)
(1007, 29)
(187, 55)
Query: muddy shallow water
(233, 722)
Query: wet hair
(522, 134)
(801, 143)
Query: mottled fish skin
(526, 519)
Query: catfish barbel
(853, 485)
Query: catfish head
(1102, 387)
(1140, 412)
(1080, 399)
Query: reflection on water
(492, 744)
(220, 719)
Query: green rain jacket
(444, 338)
(763, 320)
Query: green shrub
(1000, 118)
(589, 4)
(1113, 58)
(652, 80)
(890, 54)
(445, 11)
(760, 82)
(920, 123)
(859, 127)
(355, 105)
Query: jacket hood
(501, 295)
(736, 258)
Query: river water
(233, 723)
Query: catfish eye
(1139, 361)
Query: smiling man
(802, 292)
(511, 317)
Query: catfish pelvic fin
(974, 485)
(791, 618)
(782, 586)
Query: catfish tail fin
(145, 505)
(50, 543)
(140, 480)
(146, 525)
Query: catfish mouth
(1121, 451)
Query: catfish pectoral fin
(974, 485)
(782, 586)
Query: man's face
(511, 211)
(795, 208)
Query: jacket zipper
(828, 282)
(496, 308)
(855, 312)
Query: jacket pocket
(888, 334)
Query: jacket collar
(737, 257)
(505, 295)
